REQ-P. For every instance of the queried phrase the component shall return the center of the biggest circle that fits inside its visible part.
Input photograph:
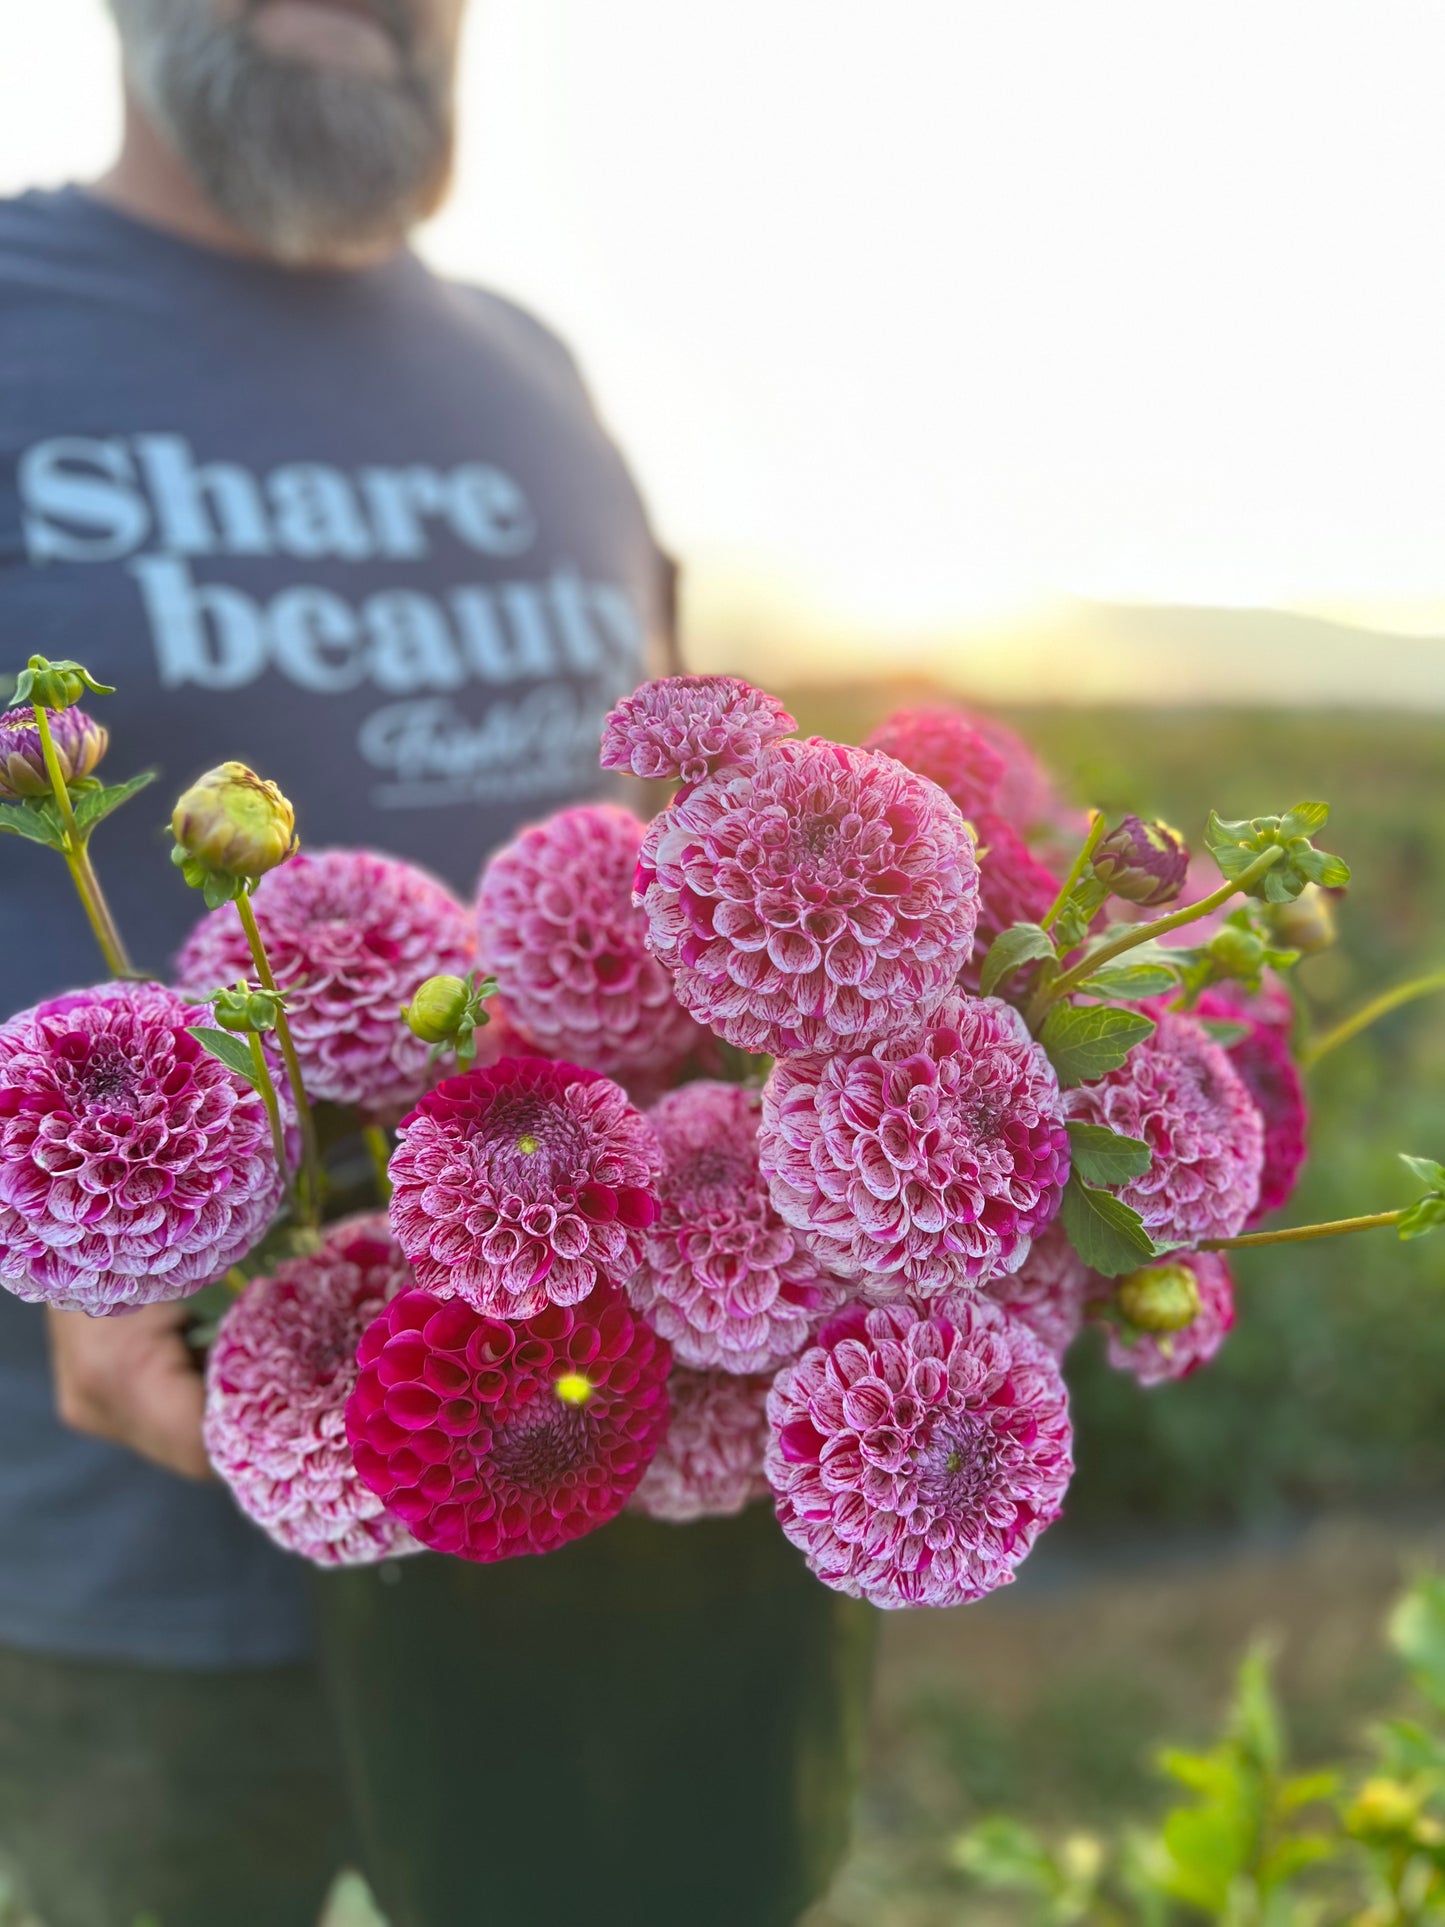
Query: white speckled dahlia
(710, 1462)
(926, 1162)
(1049, 1291)
(916, 1454)
(722, 1277)
(828, 894)
(522, 1186)
(277, 1381)
(558, 929)
(689, 727)
(133, 1166)
(1179, 1092)
(350, 936)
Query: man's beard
(314, 165)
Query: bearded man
(305, 504)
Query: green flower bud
(1236, 952)
(232, 823)
(438, 1010)
(1159, 1298)
(1307, 924)
(56, 685)
(1383, 1809)
(246, 1010)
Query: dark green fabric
(183, 1799)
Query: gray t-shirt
(362, 530)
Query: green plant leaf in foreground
(1084, 1041)
(93, 806)
(1107, 1233)
(233, 1052)
(1104, 1157)
(1021, 943)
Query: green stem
(267, 1088)
(310, 1155)
(77, 857)
(1138, 933)
(236, 1280)
(1302, 1233)
(1097, 821)
(379, 1145)
(1369, 1013)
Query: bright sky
(918, 316)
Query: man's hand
(132, 1379)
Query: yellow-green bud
(235, 823)
(1159, 1298)
(246, 1010)
(1236, 953)
(1382, 1809)
(1307, 924)
(437, 1010)
(56, 685)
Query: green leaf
(1224, 1033)
(1235, 846)
(1003, 1853)
(36, 821)
(1107, 1233)
(1430, 1174)
(233, 1052)
(1305, 819)
(1104, 1157)
(1085, 1041)
(1021, 943)
(93, 806)
(1427, 1215)
(1130, 981)
(1417, 1633)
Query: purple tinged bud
(1144, 863)
(234, 823)
(79, 741)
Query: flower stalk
(1370, 1013)
(77, 857)
(379, 1147)
(1098, 822)
(311, 1184)
(1304, 1233)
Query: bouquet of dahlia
(777, 1148)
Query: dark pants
(181, 1799)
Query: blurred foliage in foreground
(1331, 1389)
(1253, 1843)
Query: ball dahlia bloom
(350, 936)
(916, 1455)
(277, 1381)
(1049, 1291)
(1179, 1092)
(79, 742)
(926, 1162)
(1154, 1359)
(827, 895)
(522, 1186)
(1268, 1072)
(133, 1165)
(558, 929)
(722, 1277)
(491, 1439)
(687, 728)
(710, 1462)
(1013, 887)
(944, 746)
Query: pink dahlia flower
(927, 1162)
(350, 936)
(1026, 794)
(722, 1277)
(279, 1375)
(492, 1439)
(558, 929)
(710, 1462)
(690, 727)
(133, 1165)
(1013, 887)
(1267, 1070)
(917, 1454)
(1154, 1360)
(1049, 1291)
(78, 740)
(829, 895)
(523, 1186)
(1181, 1095)
(944, 746)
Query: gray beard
(312, 165)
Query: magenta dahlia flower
(689, 727)
(1154, 1359)
(79, 742)
(277, 1381)
(944, 746)
(524, 1185)
(1049, 1291)
(828, 895)
(722, 1277)
(350, 936)
(133, 1165)
(1267, 1070)
(917, 1455)
(1013, 887)
(1179, 1092)
(490, 1438)
(1026, 793)
(710, 1462)
(927, 1162)
(558, 929)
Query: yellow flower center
(573, 1389)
